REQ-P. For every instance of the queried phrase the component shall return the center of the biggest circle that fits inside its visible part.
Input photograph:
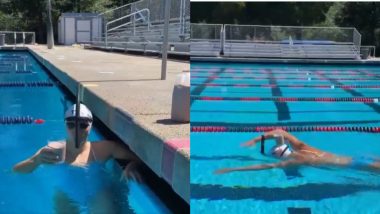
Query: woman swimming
(293, 152)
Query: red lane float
(286, 128)
(39, 121)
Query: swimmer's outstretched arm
(42, 156)
(272, 135)
(27, 166)
(282, 164)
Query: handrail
(357, 40)
(131, 14)
(122, 25)
(221, 40)
(121, 18)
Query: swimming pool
(233, 102)
(27, 91)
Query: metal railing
(277, 41)
(206, 32)
(291, 41)
(206, 39)
(179, 13)
(357, 38)
(283, 34)
(117, 12)
(16, 38)
(129, 22)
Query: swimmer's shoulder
(102, 148)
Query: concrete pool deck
(125, 92)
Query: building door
(83, 31)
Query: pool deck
(125, 92)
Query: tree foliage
(30, 15)
(364, 16)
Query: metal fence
(288, 34)
(206, 32)
(277, 41)
(206, 39)
(144, 21)
(121, 16)
(17, 38)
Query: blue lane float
(8, 120)
(26, 84)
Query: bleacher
(250, 41)
(290, 51)
(130, 33)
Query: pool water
(297, 190)
(37, 191)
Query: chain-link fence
(179, 14)
(206, 32)
(288, 34)
(305, 42)
(145, 20)
(179, 9)
(206, 39)
(16, 38)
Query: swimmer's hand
(223, 171)
(47, 155)
(131, 172)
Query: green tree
(364, 16)
(30, 15)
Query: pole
(50, 36)
(165, 42)
(77, 115)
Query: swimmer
(83, 163)
(293, 152)
(86, 153)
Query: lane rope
(12, 120)
(26, 84)
(279, 78)
(286, 128)
(291, 73)
(283, 86)
(290, 99)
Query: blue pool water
(319, 190)
(35, 192)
